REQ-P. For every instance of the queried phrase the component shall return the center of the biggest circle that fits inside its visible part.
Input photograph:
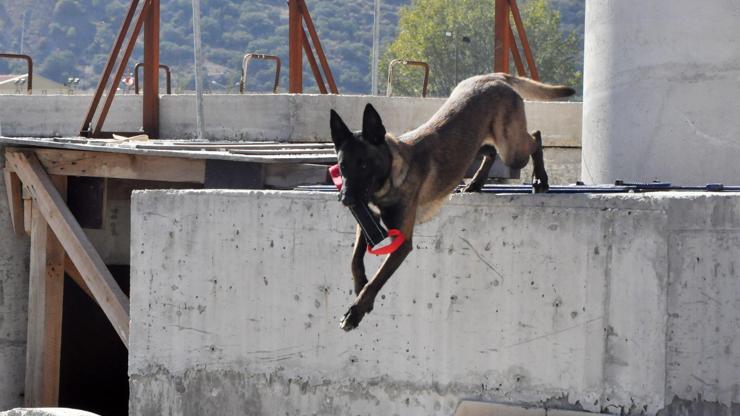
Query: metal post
(200, 122)
(151, 72)
(501, 37)
(376, 48)
(295, 43)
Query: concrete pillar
(13, 305)
(661, 93)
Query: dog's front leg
(358, 261)
(366, 298)
(540, 181)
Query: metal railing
(167, 72)
(29, 63)
(245, 66)
(393, 63)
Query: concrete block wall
(284, 117)
(613, 303)
(13, 305)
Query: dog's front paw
(352, 318)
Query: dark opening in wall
(94, 362)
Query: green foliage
(557, 54)
(456, 39)
(73, 38)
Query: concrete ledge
(613, 303)
(46, 412)
(283, 117)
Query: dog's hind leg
(479, 179)
(540, 181)
(358, 261)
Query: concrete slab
(46, 412)
(566, 299)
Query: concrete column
(13, 305)
(661, 93)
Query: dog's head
(364, 157)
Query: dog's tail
(534, 90)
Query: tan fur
(428, 163)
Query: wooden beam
(27, 215)
(121, 166)
(45, 297)
(76, 276)
(49, 202)
(13, 188)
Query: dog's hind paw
(539, 186)
(473, 186)
(352, 318)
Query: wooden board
(45, 298)
(49, 202)
(13, 188)
(122, 166)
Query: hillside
(73, 37)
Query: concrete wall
(13, 305)
(257, 117)
(603, 303)
(660, 91)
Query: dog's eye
(363, 165)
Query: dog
(409, 178)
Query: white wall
(611, 303)
(661, 87)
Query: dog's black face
(364, 157)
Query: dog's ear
(339, 131)
(373, 130)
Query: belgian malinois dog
(408, 178)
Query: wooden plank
(13, 188)
(122, 166)
(27, 215)
(235, 146)
(49, 202)
(45, 297)
(285, 152)
(76, 276)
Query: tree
(456, 39)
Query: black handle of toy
(371, 227)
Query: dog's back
(481, 110)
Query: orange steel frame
(147, 17)
(29, 63)
(505, 42)
(299, 42)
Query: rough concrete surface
(46, 411)
(13, 305)
(613, 303)
(660, 91)
(285, 117)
